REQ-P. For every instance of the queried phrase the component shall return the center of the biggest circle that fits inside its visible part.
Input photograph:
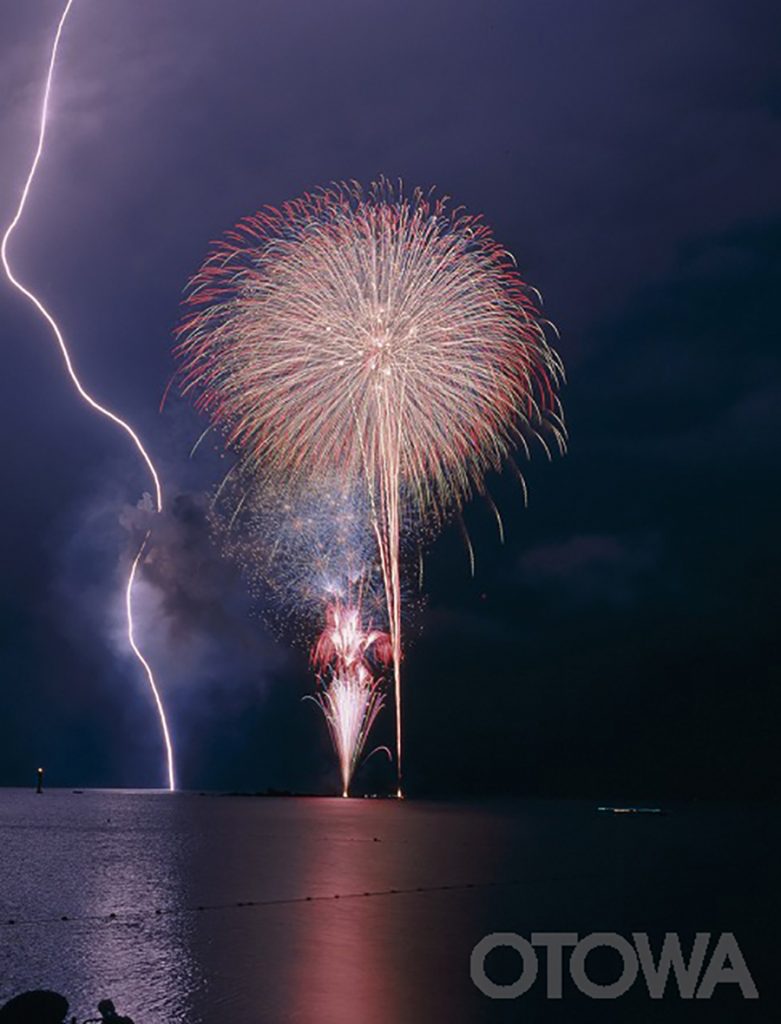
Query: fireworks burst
(346, 657)
(298, 552)
(305, 556)
(384, 340)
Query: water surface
(191, 909)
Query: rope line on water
(140, 915)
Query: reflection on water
(110, 962)
(244, 911)
(84, 858)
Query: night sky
(624, 639)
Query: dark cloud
(591, 568)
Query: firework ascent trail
(31, 297)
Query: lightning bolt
(47, 316)
(169, 751)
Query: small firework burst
(349, 657)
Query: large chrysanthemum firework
(383, 338)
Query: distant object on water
(39, 789)
(630, 810)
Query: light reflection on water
(85, 857)
(88, 856)
(384, 959)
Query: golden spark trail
(74, 378)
